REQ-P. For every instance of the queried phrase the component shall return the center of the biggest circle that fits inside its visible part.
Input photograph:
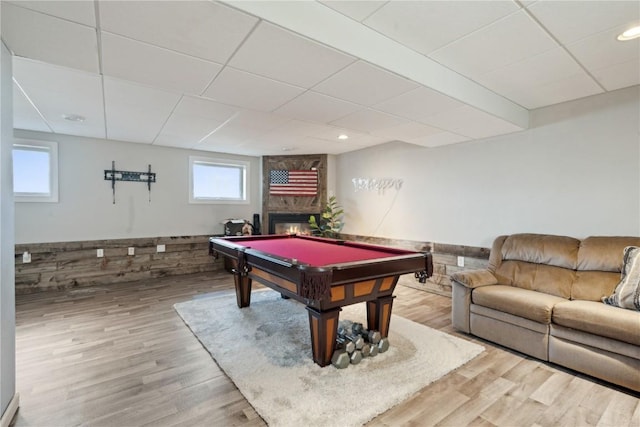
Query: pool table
(324, 274)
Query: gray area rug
(266, 351)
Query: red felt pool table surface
(318, 253)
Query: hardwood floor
(121, 356)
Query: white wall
(575, 172)
(85, 210)
(7, 269)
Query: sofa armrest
(474, 278)
(462, 284)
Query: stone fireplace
(290, 223)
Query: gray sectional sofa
(542, 295)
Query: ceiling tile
(298, 137)
(25, 116)
(305, 145)
(406, 131)
(45, 38)
(368, 121)
(428, 25)
(134, 112)
(233, 148)
(229, 135)
(364, 84)
(356, 139)
(316, 107)
(603, 49)
(63, 92)
(537, 81)
(561, 90)
(292, 130)
(418, 104)
(81, 12)
(140, 62)
(204, 29)
(573, 20)
(193, 120)
(287, 57)
(495, 46)
(618, 76)
(358, 10)
(615, 64)
(311, 146)
(154, 52)
(258, 120)
(248, 90)
(471, 122)
(246, 126)
(439, 139)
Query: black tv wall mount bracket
(114, 175)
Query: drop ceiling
(267, 77)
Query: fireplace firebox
(290, 223)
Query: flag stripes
(293, 182)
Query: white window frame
(193, 160)
(51, 148)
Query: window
(35, 171)
(217, 180)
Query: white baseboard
(12, 408)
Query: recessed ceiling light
(343, 136)
(73, 117)
(630, 34)
(288, 148)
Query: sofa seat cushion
(599, 319)
(532, 305)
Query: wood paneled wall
(290, 204)
(67, 265)
(445, 260)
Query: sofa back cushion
(599, 266)
(593, 285)
(549, 279)
(604, 253)
(559, 251)
(538, 262)
(558, 265)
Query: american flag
(293, 183)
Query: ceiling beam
(329, 27)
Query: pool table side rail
(240, 239)
(244, 259)
(342, 272)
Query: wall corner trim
(10, 412)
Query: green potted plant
(330, 223)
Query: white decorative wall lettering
(378, 184)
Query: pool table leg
(324, 327)
(243, 290)
(379, 314)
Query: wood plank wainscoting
(445, 260)
(67, 265)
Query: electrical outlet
(26, 258)
(131, 251)
(100, 253)
(460, 261)
(161, 248)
